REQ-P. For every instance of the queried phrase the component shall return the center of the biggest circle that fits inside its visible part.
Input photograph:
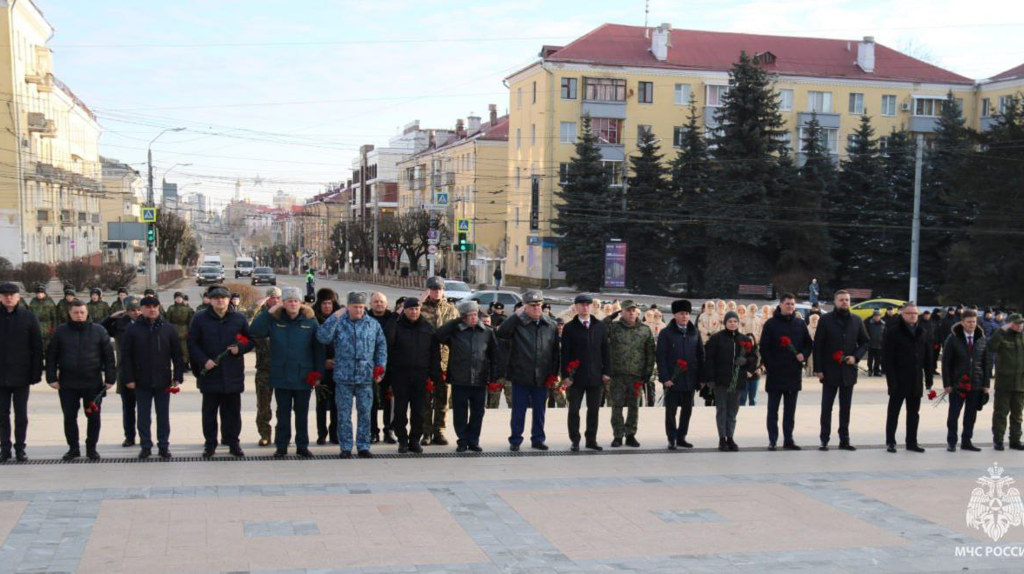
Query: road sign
(72, 243)
(433, 236)
(431, 249)
(463, 225)
(149, 215)
(441, 198)
(431, 256)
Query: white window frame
(678, 133)
(986, 107)
(681, 93)
(856, 103)
(820, 102)
(886, 109)
(831, 139)
(1004, 102)
(783, 107)
(719, 91)
(567, 133)
(934, 106)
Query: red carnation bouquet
(240, 339)
(637, 387)
(430, 385)
(172, 390)
(743, 349)
(838, 357)
(787, 343)
(551, 381)
(378, 372)
(494, 387)
(93, 406)
(313, 379)
(963, 386)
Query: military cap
(533, 296)
(435, 282)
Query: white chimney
(472, 123)
(661, 41)
(866, 54)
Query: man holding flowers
(785, 346)
(680, 358)
(840, 342)
(965, 377)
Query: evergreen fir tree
(582, 220)
(857, 208)
(895, 212)
(746, 144)
(645, 226)
(691, 178)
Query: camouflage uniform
(45, 311)
(556, 398)
(435, 408)
(98, 310)
(631, 353)
(116, 306)
(63, 306)
(180, 315)
(264, 392)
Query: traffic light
(463, 243)
(150, 235)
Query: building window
(986, 107)
(533, 134)
(888, 105)
(1004, 103)
(645, 95)
(642, 129)
(928, 106)
(851, 141)
(567, 133)
(614, 172)
(857, 104)
(568, 88)
(517, 225)
(43, 215)
(883, 145)
(519, 98)
(785, 100)
(563, 173)
(678, 136)
(715, 95)
(519, 138)
(534, 93)
(682, 94)
(604, 89)
(820, 102)
(607, 130)
(829, 138)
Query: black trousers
(969, 406)
(874, 361)
(788, 401)
(593, 395)
(327, 417)
(70, 401)
(18, 398)
(828, 399)
(128, 407)
(681, 401)
(892, 418)
(381, 403)
(409, 397)
(468, 404)
(147, 398)
(287, 400)
(229, 406)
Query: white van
(212, 261)
(244, 267)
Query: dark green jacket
(46, 312)
(98, 310)
(631, 350)
(1008, 347)
(180, 315)
(295, 352)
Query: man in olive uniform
(264, 392)
(98, 308)
(65, 305)
(118, 305)
(437, 311)
(180, 315)
(45, 311)
(631, 351)
(1007, 343)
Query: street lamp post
(152, 245)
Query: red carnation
(550, 382)
(92, 408)
(572, 366)
(932, 394)
(313, 378)
(430, 385)
(494, 387)
(173, 390)
(785, 341)
(681, 364)
(242, 339)
(636, 388)
(389, 395)
(838, 357)
(378, 372)
(747, 346)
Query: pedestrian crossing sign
(149, 215)
(462, 225)
(441, 198)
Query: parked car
(209, 275)
(264, 275)
(865, 309)
(456, 291)
(141, 269)
(507, 298)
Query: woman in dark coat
(326, 408)
(729, 360)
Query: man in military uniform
(206, 303)
(45, 311)
(497, 311)
(65, 305)
(437, 311)
(180, 315)
(98, 308)
(264, 392)
(631, 350)
(118, 305)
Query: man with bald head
(906, 362)
(380, 312)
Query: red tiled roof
(499, 131)
(1009, 74)
(618, 45)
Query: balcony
(605, 109)
(442, 179)
(709, 117)
(417, 183)
(924, 124)
(987, 123)
(612, 152)
(827, 120)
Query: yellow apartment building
(630, 78)
(123, 193)
(994, 94)
(468, 171)
(50, 192)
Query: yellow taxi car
(865, 309)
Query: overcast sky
(281, 94)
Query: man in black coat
(117, 325)
(21, 365)
(414, 363)
(964, 362)
(876, 328)
(929, 327)
(379, 312)
(679, 341)
(472, 362)
(839, 344)
(80, 366)
(216, 342)
(784, 365)
(151, 365)
(584, 339)
(533, 357)
(907, 359)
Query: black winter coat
(151, 355)
(21, 354)
(958, 360)
(785, 372)
(839, 331)
(876, 331)
(210, 336)
(590, 348)
(473, 353)
(674, 344)
(80, 356)
(721, 354)
(413, 352)
(906, 359)
(533, 353)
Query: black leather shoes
(365, 454)
(847, 446)
(71, 455)
(915, 448)
(415, 448)
(733, 447)
(790, 446)
(575, 446)
(891, 448)
(969, 446)
(128, 442)
(439, 439)
(998, 446)
(475, 448)
(165, 453)
(4, 457)
(538, 446)
(513, 447)
(145, 453)
(594, 446)
(280, 453)
(461, 448)
(208, 452)
(682, 442)
(345, 454)
(616, 442)
(631, 441)
(236, 451)
(91, 454)
(304, 452)
(389, 437)
(20, 456)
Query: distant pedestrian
(813, 291)
(310, 283)
(497, 276)
(876, 328)
(22, 358)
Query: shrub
(113, 276)
(78, 274)
(34, 273)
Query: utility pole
(915, 237)
(376, 215)
(152, 203)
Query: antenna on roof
(647, 11)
